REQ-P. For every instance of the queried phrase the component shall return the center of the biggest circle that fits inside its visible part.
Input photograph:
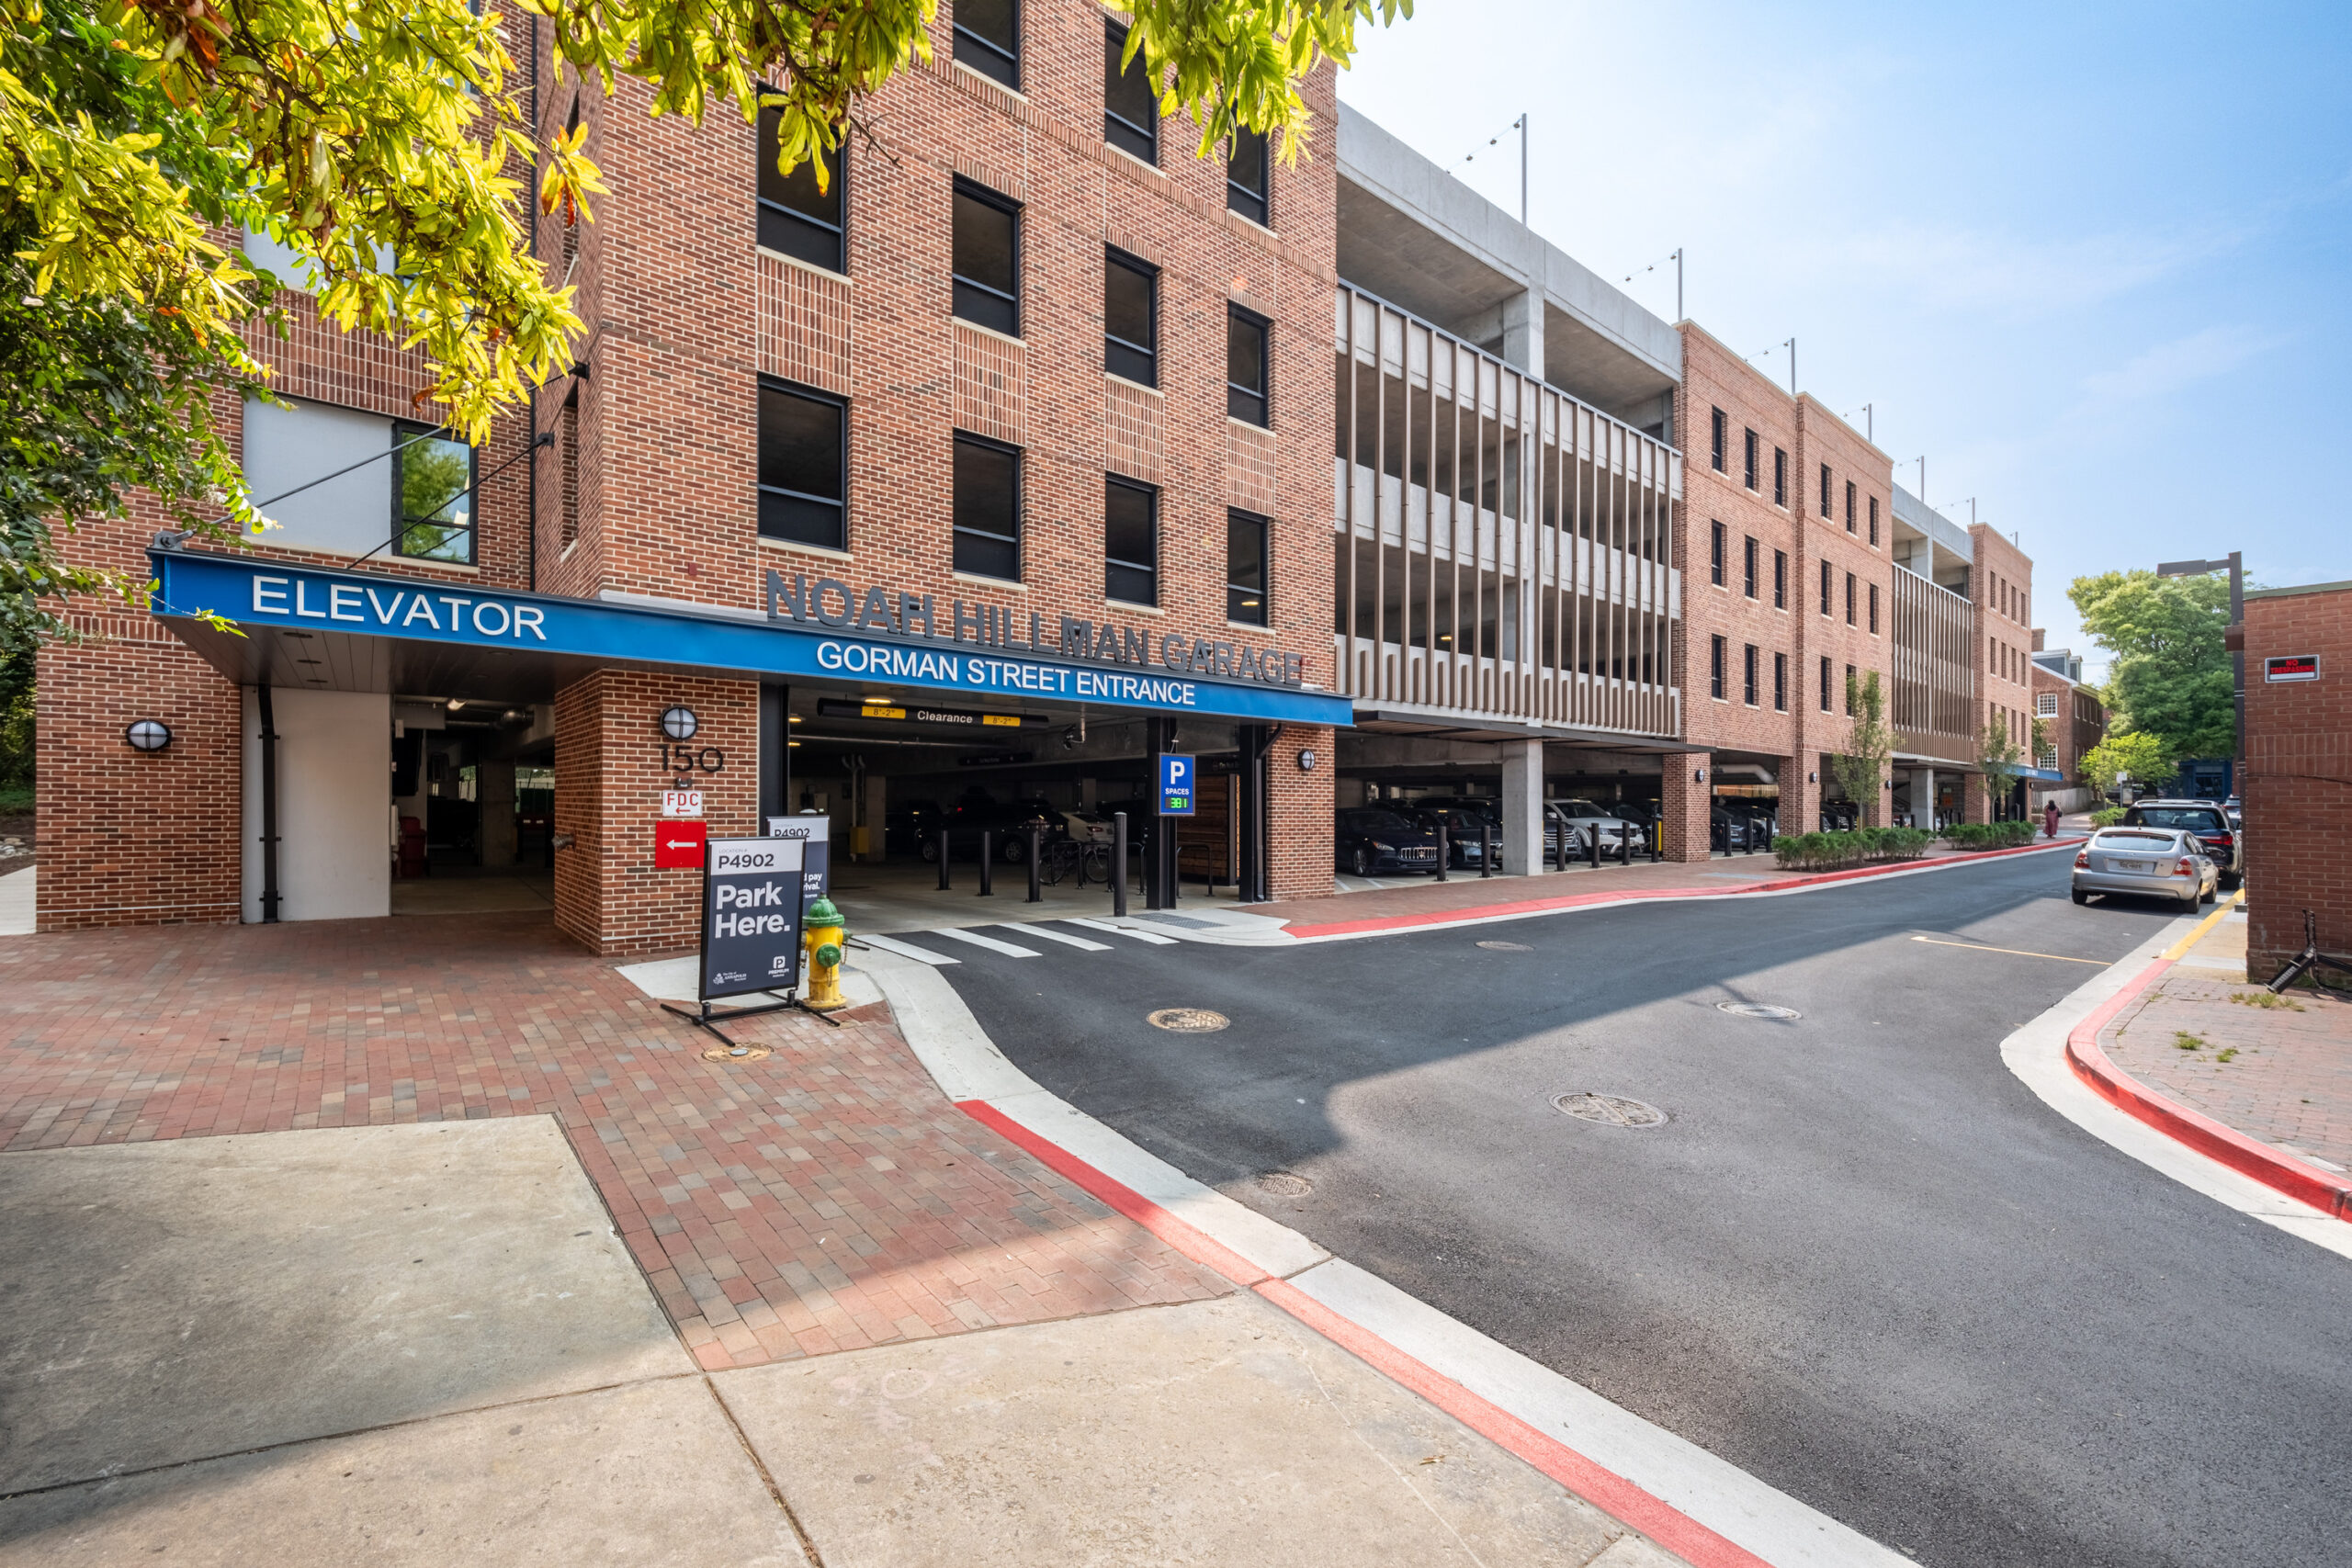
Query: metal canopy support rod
(268, 807)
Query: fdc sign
(751, 916)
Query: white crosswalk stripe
(1151, 937)
(959, 934)
(908, 950)
(1064, 938)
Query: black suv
(1373, 839)
(2206, 818)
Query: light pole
(2234, 564)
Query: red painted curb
(1578, 900)
(1605, 1489)
(2212, 1139)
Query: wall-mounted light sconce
(1699, 777)
(1307, 762)
(679, 723)
(148, 735)
(1813, 778)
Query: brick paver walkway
(2288, 1076)
(826, 1198)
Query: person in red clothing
(2050, 820)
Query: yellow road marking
(2172, 955)
(2014, 952)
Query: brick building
(2297, 787)
(2073, 720)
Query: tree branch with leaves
(1862, 769)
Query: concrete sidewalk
(432, 1240)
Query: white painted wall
(286, 448)
(335, 808)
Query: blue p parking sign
(1175, 785)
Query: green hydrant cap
(821, 913)
(828, 955)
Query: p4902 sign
(751, 917)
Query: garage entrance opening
(473, 805)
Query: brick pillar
(1299, 829)
(1686, 802)
(1801, 794)
(609, 784)
(1976, 801)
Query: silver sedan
(2154, 863)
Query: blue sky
(2091, 260)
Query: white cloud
(2170, 367)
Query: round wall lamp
(1813, 778)
(679, 723)
(1699, 775)
(1307, 762)
(148, 735)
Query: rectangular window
(2045, 704)
(1716, 668)
(1130, 106)
(988, 508)
(1824, 683)
(1721, 433)
(433, 495)
(1849, 506)
(986, 262)
(1849, 598)
(1747, 684)
(987, 38)
(1780, 580)
(568, 473)
(1874, 609)
(1825, 588)
(1130, 542)
(1747, 578)
(1715, 553)
(1752, 448)
(1780, 477)
(1825, 490)
(804, 466)
(1245, 569)
(1780, 682)
(1873, 521)
(1849, 691)
(1130, 317)
(796, 218)
(1245, 366)
(1249, 176)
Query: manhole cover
(1609, 1110)
(1283, 1184)
(1189, 1021)
(1506, 947)
(1757, 1010)
(735, 1054)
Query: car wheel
(2209, 895)
(1016, 850)
(2081, 897)
(2231, 881)
(1361, 863)
(931, 851)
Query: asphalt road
(1859, 1260)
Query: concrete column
(877, 806)
(1522, 808)
(494, 795)
(1923, 797)
(1523, 332)
(1799, 794)
(1686, 799)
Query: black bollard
(1119, 865)
(987, 864)
(1592, 846)
(1485, 849)
(1624, 844)
(1444, 853)
(943, 860)
(1036, 894)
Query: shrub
(1990, 835)
(2107, 818)
(1836, 850)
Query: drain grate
(1609, 1110)
(1757, 1010)
(1189, 1021)
(1506, 947)
(1283, 1184)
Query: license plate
(2129, 864)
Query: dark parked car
(1730, 831)
(1373, 839)
(1009, 820)
(909, 825)
(1839, 817)
(1462, 817)
(2224, 842)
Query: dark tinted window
(1245, 569)
(802, 466)
(1377, 822)
(1130, 108)
(1717, 421)
(987, 38)
(1715, 554)
(988, 508)
(988, 259)
(2188, 818)
(1131, 318)
(1130, 543)
(796, 218)
(1748, 475)
(433, 495)
(1247, 175)
(1245, 366)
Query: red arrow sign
(677, 846)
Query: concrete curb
(2307, 1184)
(1480, 914)
(1709, 1512)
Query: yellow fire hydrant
(821, 937)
